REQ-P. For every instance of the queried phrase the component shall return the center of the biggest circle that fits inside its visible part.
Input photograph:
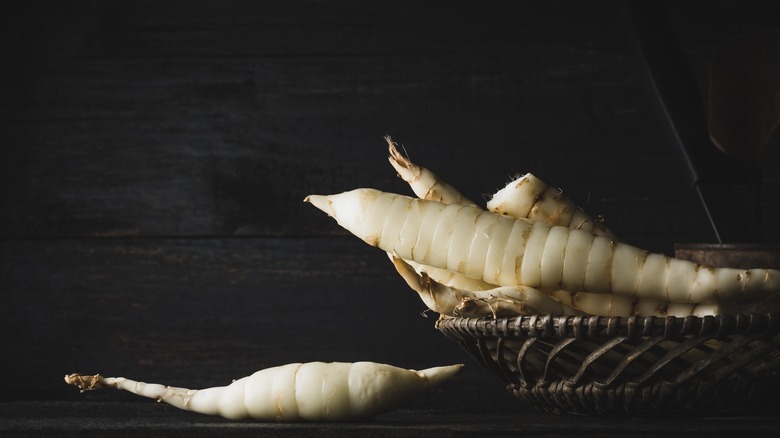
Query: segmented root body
(510, 301)
(498, 301)
(314, 391)
(624, 305)
(514, 252)
(427, 185)
(451, 279)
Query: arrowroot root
(314, 391)
(532, 237)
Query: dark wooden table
(154, 157)
(129, 419)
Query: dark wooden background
(155, 155)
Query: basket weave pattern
(636, 366)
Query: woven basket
(630, 366)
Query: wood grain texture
(151, 420)
(226, 134)
(293, 28)
(154, 158)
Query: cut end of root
(85, 382)
(322, 202)
(407, 170)
(395, 157)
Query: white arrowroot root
(498, 301)
(624, 305)
(530, 197)
(427, 185)
(424, 183)
(314, 391)
(490, 300)
(508, 302)
(525, 197)
(449, 278)
(514, 252)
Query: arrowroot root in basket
(530, 251)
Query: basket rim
(599, 327)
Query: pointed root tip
(322, 202)
(436, 375)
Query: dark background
(155, 155)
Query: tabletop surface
(99, 418)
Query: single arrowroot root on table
(314, 391)
(507, 251)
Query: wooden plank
(201, 312)
(156, 119)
